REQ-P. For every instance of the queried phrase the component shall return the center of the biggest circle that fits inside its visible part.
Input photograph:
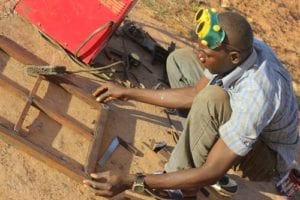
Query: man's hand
(110, 91)
(109, 183)
(170, 98)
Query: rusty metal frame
(15, 136)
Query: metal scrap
(113, 146)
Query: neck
(245, 55)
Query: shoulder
(267, 70)
(265, 54)
(257, 79)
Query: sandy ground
(24, 177)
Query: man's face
(217, 60)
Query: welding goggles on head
(208, 29)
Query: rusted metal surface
(27, 106)
(19, 53)
(14, 134)
(66, 82)
(38, 103)
(95, 145)
(71, 169)
(113, 146)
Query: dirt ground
(24, 177)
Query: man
(243, 111)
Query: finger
(108, 99)
(101, 98)
(100, 91)
(100, 175)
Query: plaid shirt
(263, 105)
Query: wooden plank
(95, 145)
(73, 170)
(54, 114)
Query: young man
(243, 111)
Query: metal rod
(95, 145)
(21, 118)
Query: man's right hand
(170, 98)
(110, 91)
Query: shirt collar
(239, 70)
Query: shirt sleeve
(253, 108)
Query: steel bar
(38, 103)
(27, 106)
(71, 169)
(109, 151)
(66, 82)
(95, 145)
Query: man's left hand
(109, 183)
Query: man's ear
(235, 57)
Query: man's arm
(219, 161)
(171, 98)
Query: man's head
(234, 48)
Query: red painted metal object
(81, 27)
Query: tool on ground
(126, 59)
(113, 146)
(163, 154)
(173, 131)
(162, 149)
(34, 70)
(138, 35)
(157, 146)
(134, 59)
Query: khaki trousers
(210, 109)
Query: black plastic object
(138, 35)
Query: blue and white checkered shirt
(263, 105)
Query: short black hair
(238, 30)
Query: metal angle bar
(129, 147)
(109, 151)
(73, 170)
(38, 103)
(93, 152)
(21, 118)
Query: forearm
(171, 98)
(189, 178)
(220, 159)
(184, 179)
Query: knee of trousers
(175, 58)
(213, 100)
(213, 93)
